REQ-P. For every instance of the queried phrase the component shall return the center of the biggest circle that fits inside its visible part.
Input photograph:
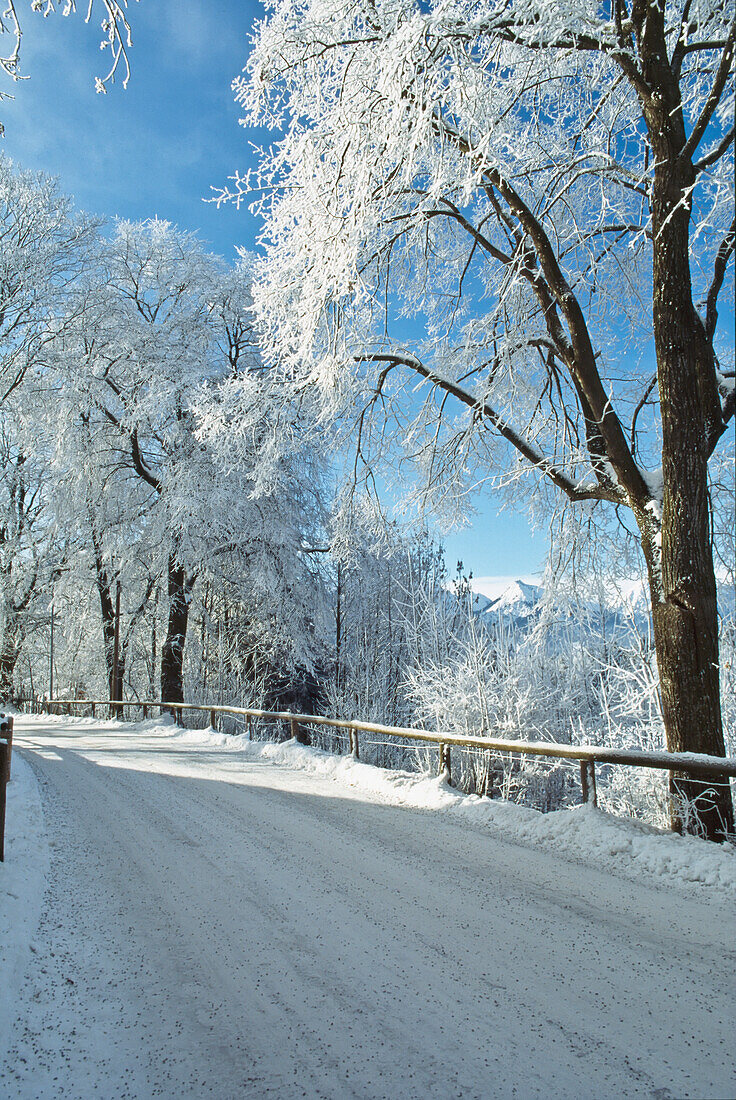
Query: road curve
(218, 927)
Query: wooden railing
(694, 764)
(6, 752)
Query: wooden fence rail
(699, 766)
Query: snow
(630, 595)
(518, 595)
(654, 481)
(22, 881)
(583, 833)
(494, 587)
(225, 918)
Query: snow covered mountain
(518, 598)
(625, 602)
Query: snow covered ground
(231, 920)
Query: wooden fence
(6, 751)
(710, 768)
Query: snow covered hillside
(235, 920)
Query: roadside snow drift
(582, 832)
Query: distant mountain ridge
(625, 601)
(518, 595)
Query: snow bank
(22, 883)
(581, 833)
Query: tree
(28, 547)
(44, 245)
(265, 492)
(546, 194)
(134, 362)
(115, 29)
(159, 485)
(106, 517)
(381, 590)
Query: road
(221, 927)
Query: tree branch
(719, 273)
(647, 394)
(607, 443)
(716, 153)
(572, 489)
(719, 83)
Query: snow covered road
(220, 926)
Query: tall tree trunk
(152, 676)
(115, 675)
(107, 613)
(172, 651)
(681, 571)
(685, 635)
(9, 653)
(685, 614)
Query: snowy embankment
(22, 880)
(582, 833)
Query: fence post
(248, 727)
(587, 782)
(6, 731)
(213, 719)
(446, 763)
(354, 744)
(297, 732)
(4, 777)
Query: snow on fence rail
(695, 764)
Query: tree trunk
(9, 653)
(108, 612)
(172, 651)
(682, 578)
(152, 676)
(115, 672)
(686, 642)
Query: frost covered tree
(29, 549)
(266, 509)
(44, 245)
(381, 589)
(115, 29)
(528, 210)
(131, 366)
(161, 486)
(105, 515)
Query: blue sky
(158, 147)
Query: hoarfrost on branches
(115, 30)
(526, 215)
